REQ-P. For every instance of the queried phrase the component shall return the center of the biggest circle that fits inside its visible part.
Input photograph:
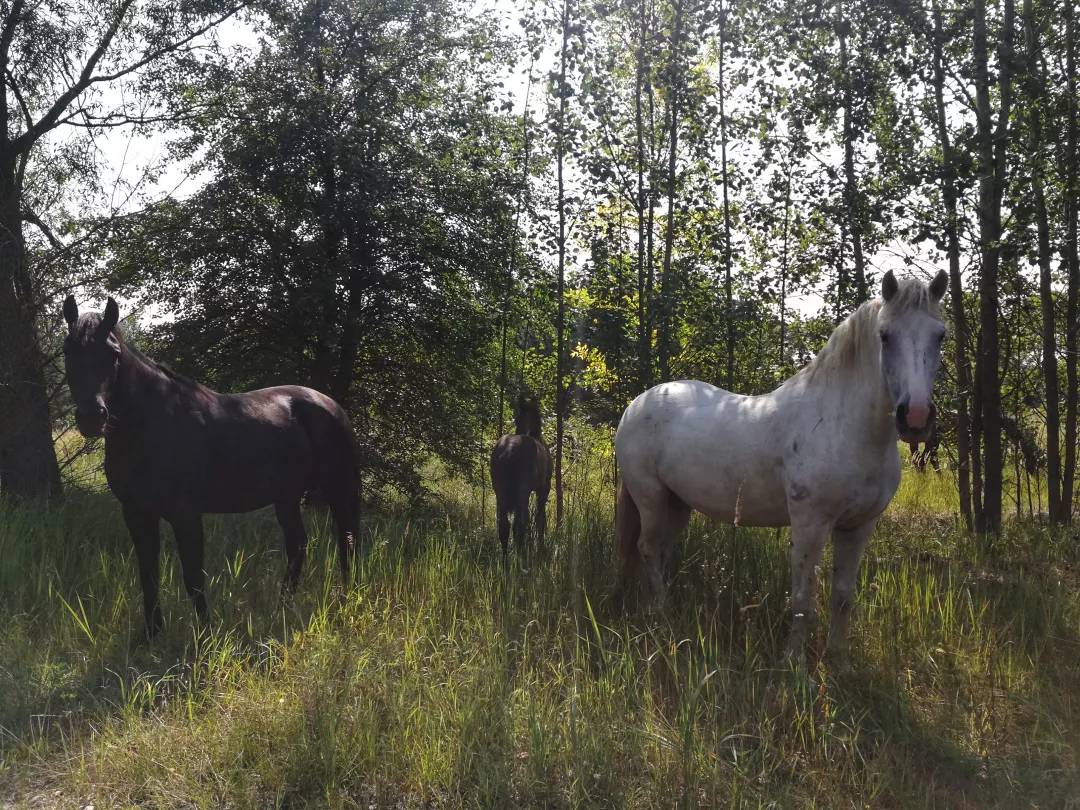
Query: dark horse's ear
(939, 285)
(109, 317)
(889, 286)
(71, 310)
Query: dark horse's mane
(156, 365)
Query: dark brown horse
(521, 465)
(174, 449)
(929, 452)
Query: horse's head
(527, 416)
(91, 363)
(911, 333)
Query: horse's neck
(140, 388)
(859, 394)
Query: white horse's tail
(627, 530)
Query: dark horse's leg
(521, 517)
(145, 534)
(292, 526)
(541, 514)
(503, 509)
(189, 544)
(344, 509)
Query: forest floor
(447, 678)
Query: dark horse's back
(238, 452)
(281, 442)
(518, 461)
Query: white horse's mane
(842, 352)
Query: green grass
(449, 679)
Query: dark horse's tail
(337, 468)
(627, 530)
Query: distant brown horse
(929, 451)
(174, 449)
(521, 465)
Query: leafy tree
(353, 234)
(55, 60)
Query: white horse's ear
(939, 285)
(889, 286)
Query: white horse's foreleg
(848, 548)
(807, 543)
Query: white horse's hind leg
(678, 519)
(656, 506)
(651, 546)
(807, 543)
(848, 548)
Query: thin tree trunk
(330, 221)
(560, 292)
(650, 225)
(1046, 298)
(507, 291)
(956, 288)
(730, 314)
(976, 438)
(841, 274)
(644, 342)
(668, 288)
(782, 362)
(1072, 263)
(852, 201)
(361, 270)
(992, 142)
(511, 267)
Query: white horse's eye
(884, 337)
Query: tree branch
(19, 98)
(30, 216)
(87, 78)
(8, 34)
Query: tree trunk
(644, 337)
(852, 201)
(841, 275)
(976, 438)
(782, 360)
(28, 465)
(668, 289)
(992, 142)
(956, 288)
(325, 286)
(560, 292)
(361, 269)
(1072, 264)
(730, 314)
(1046, 298)
(502, 340)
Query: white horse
(817, 454)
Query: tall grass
(450, 678)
